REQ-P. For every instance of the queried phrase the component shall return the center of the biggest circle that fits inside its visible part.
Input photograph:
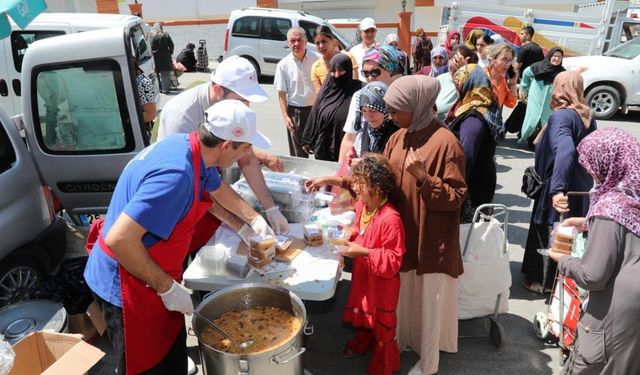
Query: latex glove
(246, 232)
(260, 226)
(277, 220)
(177, 298)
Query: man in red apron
(136, 262)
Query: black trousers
(299, 116)
(175, 362)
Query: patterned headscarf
(475, 92)
(612, 155)
(372, 96)
(385, 56)
(415, 94)
(568, 92)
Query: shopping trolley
(483, 288)
(202, 57)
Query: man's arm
(229, 199)
(269, 160)
(125, 241)
(250, 169)
(226, 216)
(282, 99)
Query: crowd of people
(419, 151)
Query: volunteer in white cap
(368, 32)
(235, 78)
(138, 250)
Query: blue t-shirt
(156, 190)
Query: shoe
(534, 286)
(348, 353)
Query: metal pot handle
(287, 355)
(308, 329)
(191, 332)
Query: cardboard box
(51, 353)
(90, 324)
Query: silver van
(81, 123)
(46, 25)
(260, 35)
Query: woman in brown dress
(429, 165)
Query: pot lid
(20, 319)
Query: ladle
(241, 345)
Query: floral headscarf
(612, 155)
(385, 56)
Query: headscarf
(472, 38)
(392, 38)
(323, 130)
(544, 70)
(612, 155)
(385, 56)
(421, 52)
(439, 51)
(415, 94)
(374, 139)
(447, 44)
(498, 39)
(476, 93)
(568, 92)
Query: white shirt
(358, 52)
(294, 77)
(185, 112)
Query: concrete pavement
(522, 352)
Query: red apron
(149, 328)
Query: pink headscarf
(612, 155)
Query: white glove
(246, 232)
(277, 220)
(177, 298)
(260, 226)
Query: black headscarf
(323, 131)
(544, 70)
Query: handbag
(532, 183)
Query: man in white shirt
(295, 89)
(368, 32)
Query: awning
(21, 11)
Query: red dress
(375, 286)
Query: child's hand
(353, 250)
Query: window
(7, 153)
(309, 29)
(274, 28)
(79, 109)
(21, 40)
(139, 46)
(246, 26)
(630, 31)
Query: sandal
(348, 352)
(534, 286)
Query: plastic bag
(344, 201)
(7, 356)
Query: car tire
(604, 101)
(254, 63)
(18, 278)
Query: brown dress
(428, 304)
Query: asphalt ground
(521, 352)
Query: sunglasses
(373, 73)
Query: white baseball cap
(367, 23)
(237, 74)
(232, 120)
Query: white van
(260, 35)
(46, 25)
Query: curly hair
(375, 171)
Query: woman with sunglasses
(328, 46)
(323, 131)
(382, 64)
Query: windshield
(347, 43)
(628, 50)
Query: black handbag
(532, 183)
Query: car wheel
(254, 63)
(18, 279)
(604, 101)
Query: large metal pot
(285, 359)
(22, 318)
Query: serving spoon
(241, 345)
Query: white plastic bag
(7, 356)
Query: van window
(246, 27)
(7, 153)
(309, 29)
(139, 46)
(274, 28)
(21, 40)
(79, 110)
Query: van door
(273, 42)
(15, 48)
(81, 117)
